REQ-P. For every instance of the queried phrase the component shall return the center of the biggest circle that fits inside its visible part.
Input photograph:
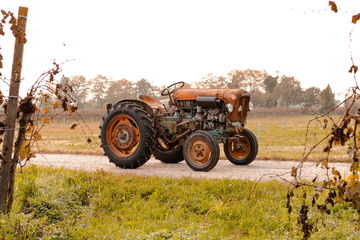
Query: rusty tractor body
(190, 127)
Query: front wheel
(201, 151)
(241, 149)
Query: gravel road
(257, 170)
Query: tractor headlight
(229, 107)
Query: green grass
(65, 204)
(279, 139)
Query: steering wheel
(171, 88)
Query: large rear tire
(201, 151)
(127, 135)
(243, 150)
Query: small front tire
(243, 150)
(201, 151)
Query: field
(65, 204)
(279, 138)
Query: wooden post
(11, 115)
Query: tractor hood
(238, 98)
(227, 95)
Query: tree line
(266, 90)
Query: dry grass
(279, 139)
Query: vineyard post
(11, 116)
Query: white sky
(167, 41)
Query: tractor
(191, 127)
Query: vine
(335, 188)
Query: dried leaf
(333, 6)
(73, 108)
(37, 136)
(355, 18)
(325, 123)
(1, 98)
(294, 172)
(335, 172)
(55, 104)
(45, 110)
(25, 151)
(73, 126)
(29, 129)
(354, 69)
(45, 120)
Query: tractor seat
(152, 102)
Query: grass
(68, 204)
(279, 139)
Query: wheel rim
(199, 151)
(123, 135)
(240, 148)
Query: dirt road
(259, 169)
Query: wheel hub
(200, 151)
(124, 136)
(239, 147)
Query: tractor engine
(208, 111)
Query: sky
(166, 41)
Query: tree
(289, 91)
(270, 99)
(212, 81)
(143, 87)
(250, 80)
(120, 89)
(270, 83)
(311, 97)
(327, 99)
(99, 86)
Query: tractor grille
(244, 103)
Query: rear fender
(145, 106)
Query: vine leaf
(45, 110)
(55, 104)
(333, 6)
(25, 151)
(45, 120)
(355, 18)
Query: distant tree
(120, 89)
(270, 83)
(250, 80)
(269, 98)
(327, 99)
(143, 87)
(289, 91)
(212, 81)
(99, 86)
(311, 97)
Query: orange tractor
(190, 127)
